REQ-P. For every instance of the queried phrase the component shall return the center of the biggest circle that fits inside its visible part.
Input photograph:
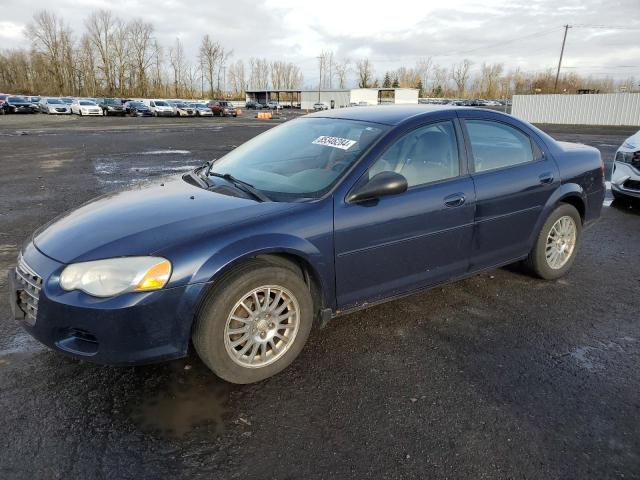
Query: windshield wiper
(239, 184)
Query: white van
(160, 108)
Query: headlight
(106, 278)
(628, 145)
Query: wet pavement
(498, 376)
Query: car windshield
(67, 100)
(160, 103)
(87, 103)
(56, 101)
(17, 99)
(300, 159)
(181, 105)
(111, 101)
(136, 104)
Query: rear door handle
(454, 200)
(546, 178)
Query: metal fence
(590, 109)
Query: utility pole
(320, 80)
(564, 40)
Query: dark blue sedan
(315, 218)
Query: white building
(336, 98)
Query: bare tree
(51, 38)
(177, 62)
(121, 56)
(440, 79)
(488, 82)
(460, 75)
(142, 53)
(237, 77)
(342, 70)
(211, 53)
(423, 66)
(100, 30)
(365, 73)
(259, 73)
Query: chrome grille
(31, 284)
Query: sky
(604, 39)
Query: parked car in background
(320, 106)
(160, 108)
(137, 109)
(202, 110)
(625, 174)
(184, 110)
(111, 106)
(3, 99)
(54, 105)
(15, 104)
(251, 105)
(274, 105)
(80, 106)
(317, 217)
(222, 108)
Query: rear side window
(427, 154)
(496, 145)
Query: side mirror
(380, 185)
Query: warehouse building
(335, 98)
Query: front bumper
(625, 179)
(129, 329)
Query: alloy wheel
(262, 326)
(561, 242)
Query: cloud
(525, 34)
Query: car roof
(385, 114)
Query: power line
(606, 27)
(501, 43)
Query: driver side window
(424, 155)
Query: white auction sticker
(335, 142)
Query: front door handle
(546, 178)
(454, 200)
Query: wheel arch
(570, 193)
(300, 257)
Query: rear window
(497, 145)
(17, 99)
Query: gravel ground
(498, 376)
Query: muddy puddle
(192, 398)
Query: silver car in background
(53, 105)
(625, 175)
(201, 109)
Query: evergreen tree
(387, 80)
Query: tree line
(121, 58)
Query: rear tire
(557, 243)
(243, 341)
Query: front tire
(254, 322)
(557, 243)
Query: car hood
(634, 140)
(144, 220)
